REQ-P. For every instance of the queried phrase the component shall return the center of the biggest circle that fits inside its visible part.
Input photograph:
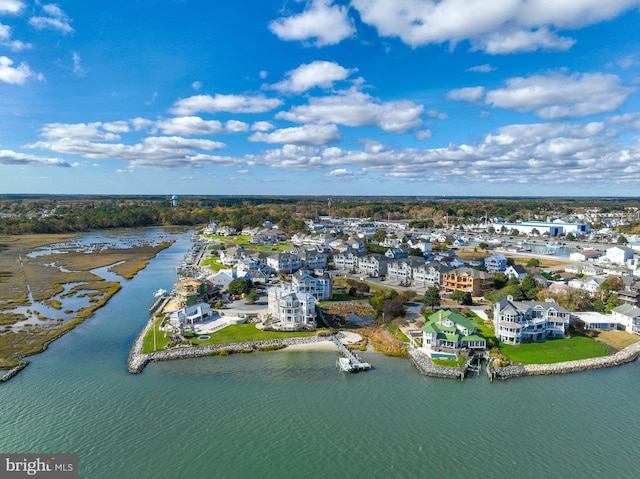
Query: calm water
(293, 415)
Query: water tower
(174, 201)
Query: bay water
(291, 414)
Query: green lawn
(555, 350)
(240, 333)
(235, 333)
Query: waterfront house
(516, 322)
(628, 317)
(290, 310)
(447, 329)
(188, 316)
(468, 280)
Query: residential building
(516, 322)
(516, 271)
(401, 270)
(628, 317)
(347, 261)
(468, 280)
(187, 316)
(284, 262)
(290, 310)
(190, 291)
(319, 286)
(429, 274)
(496, 263)
(585, 255)
(619, 254)
(447, 329)
(373, 265)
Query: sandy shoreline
(319, 346)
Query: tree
(415, 252)
(240, 286)
(462, 297)
(533, 263)
(482, 245)
(379, 236)
(569, 237)
(622, 240)
(431, 298)
(252, 297)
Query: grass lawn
(400, 336)
(617, 339)
(240, 333)
(555, 350)
(450, 363)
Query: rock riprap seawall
(426, 366)
(138, 360)
(626, 355)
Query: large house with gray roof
(517, 322)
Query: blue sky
(321, 97)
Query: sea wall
(626, 355)
(13, 371)
(138, 361)
(426, 367)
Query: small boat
(345, 365)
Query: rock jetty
(138, 360)
(626, 355)
(13, 371)
(426, 367)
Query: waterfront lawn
(241, 333)
(161, 341)
(450, 363)
(554, 350)
(617, 339)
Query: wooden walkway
(355, 362)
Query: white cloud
(262, 126)
(78, 69)
(9, 157)
(326, 23)
(471, 94)
(353, 108)
(440, 115)
(263, 74)
(11, 6)
(54, 19)
(557, 95)
(99, 141)
(316, 74)
(14, 75)
(312, 135)
(512, 41)
(196, 85)
(13, 45)
(423, 134)
(539, 153)
(486, 68)
(194, 125)
(513, 25)
(229, 103)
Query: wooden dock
(355, 362)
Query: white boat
(345, 365)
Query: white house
(286, 262)
(628, 316)
(320, 286)
(516, 271)
(291, 310)
(594, 321)
(186, 317)
(585, 255)
(619, 254)
(517, 322)
(447, 329)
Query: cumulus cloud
(101, 141)
(52, 18)
(229, 103)
(486, 68)
(9, 157)
(313, 135)
(11, 6)
(354, 108)
(7, 41)
(557, 95)
(328, 24)
(262, 126)
(194, 125)
(539, 153)
(471, 94)
(316, 74)
(499, 26)
(14, 75)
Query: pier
(354, 363)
